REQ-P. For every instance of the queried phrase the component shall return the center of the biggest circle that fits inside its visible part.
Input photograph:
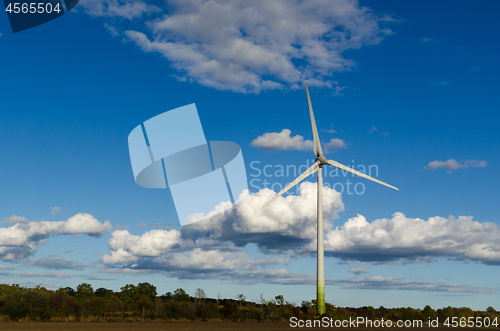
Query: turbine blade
(343, 167)
(306, 173)
(317, 145)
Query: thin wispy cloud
(41, 275)
(429, 41)
(247, 46)
(358, 271)
(128, 9)
(374, 130)
(57, 263)
(439, 83)
(389, 283)
(55, 210)
(452, 165)
(15, 219)
(329, 130)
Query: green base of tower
(321, 298)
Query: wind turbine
(321, 160)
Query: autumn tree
(84, 290)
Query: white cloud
(452, 164)
(152, 243)
(282, 141)
(288, 223)
(335, 144)
(215, 244)
(128, 9)
(23, 238)
(413, 239)
(253, 46)
(215, 247)
(55, 210)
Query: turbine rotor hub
(322, 159)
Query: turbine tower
(321, 160)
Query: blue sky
(406, 87)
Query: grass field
(170, 326)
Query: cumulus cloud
(287, 228)
(215, 245)
(128, 9)
(285, 141)
(23, 238)
(412, 239)
(288, 223)
(130, 248)
(335, 144)
(282, 141)
(252, 46)
(452, 165)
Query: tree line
(141, 302)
